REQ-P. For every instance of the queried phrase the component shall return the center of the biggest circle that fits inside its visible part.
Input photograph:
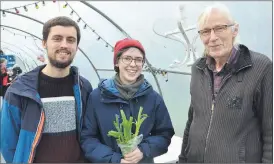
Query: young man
(127, 91)
(42, 110)
(231, 112)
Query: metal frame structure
(41, 39)
(149, 67)
(16, 46)
(27, 68)
(127, 35)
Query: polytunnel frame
(152, 69)
(127, 35)
(24, 32)
(21, 50)
(42, 39)
(19, 57)
(149, 65)
(30, 57)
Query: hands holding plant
(133, 157)
(127, 141)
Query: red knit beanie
(126, 43)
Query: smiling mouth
(131, 71)
(63, 52)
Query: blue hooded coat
(104, 103)
(23, 117)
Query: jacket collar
(243, 61)
(110, 93)
(27, 84)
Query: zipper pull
(212, 106)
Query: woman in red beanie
(128, 90)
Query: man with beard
(42, 110)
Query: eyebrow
(217, 25)
(132, 56)
(70, 37)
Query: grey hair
(224, 9)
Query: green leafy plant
(123, 132)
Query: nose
(132, 63)
(213, 36)
(64, 43)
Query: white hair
(222, 8)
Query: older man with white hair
(230, 117)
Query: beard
(58, 64)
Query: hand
(135, 156)
(124, 161)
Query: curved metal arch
(16, 46)
(107, 18)
(22, 31)
(41, 39)
(29, 54)
(174, 72)
(19, 57)
(127, 35)
(21, 50)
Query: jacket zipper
(41, 132)
(212, 108)
(210, 122)
(81, 110)
(213, 105)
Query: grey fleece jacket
(238, 126)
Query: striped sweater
(237, 126)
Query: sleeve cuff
(116, 158)
(144, 148)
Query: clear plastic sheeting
(131, 145)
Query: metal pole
(41, 39)
(127, 35)
(168, 71)
(19, 57)
(21, 50)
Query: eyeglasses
(217, 30)
(127, 60)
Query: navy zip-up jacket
(104, 103)
(23, 118)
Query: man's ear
(235, 30)
(44, 44)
